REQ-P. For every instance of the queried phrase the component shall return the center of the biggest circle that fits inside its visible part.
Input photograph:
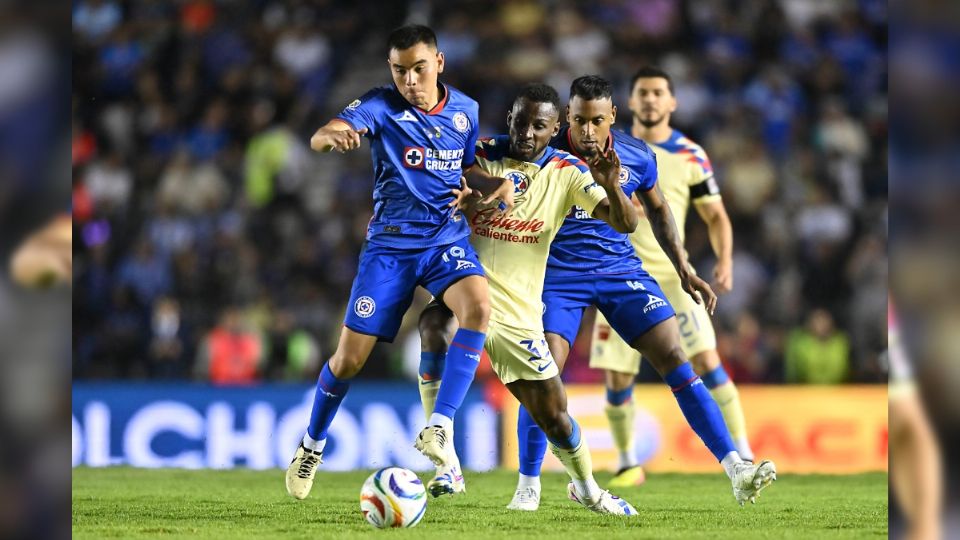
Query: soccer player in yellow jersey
(915, 468)
(513, 250)
(685, 177)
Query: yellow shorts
(610, 352)
(519, 354)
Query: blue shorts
(387, 277)
(632, 303)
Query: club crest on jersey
(364, 307)
(520, 182)
(461, 122)
(353, 104)
(413, 157)
(624, 175)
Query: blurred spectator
(817, 353)
(230, 353)
(94, 19)
(167, 347)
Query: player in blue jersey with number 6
(422, 135)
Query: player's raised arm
(336, 135)
(665, 230)
(617, 210)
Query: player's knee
(670, 358)
(476, 316)
(346, 364)
(702, 363)
(433, 330)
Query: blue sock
(431, 365)
(572, 441)
(715, 378)
(700, 410)
(463, 357)
(619, 397)
(532, 442)
(330, 392)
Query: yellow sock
(428, 395)
(579, 466)
(728, 399)
(621, 427)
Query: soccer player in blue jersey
(591, 264)
(423, 136)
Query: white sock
(743, 448)
(627, 459)
(443, 421)
(310, 444)
(729, 461)
(528, 482)
(587, 489)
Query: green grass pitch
(133, 503)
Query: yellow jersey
(685, 175)
(513, 249)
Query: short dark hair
(409, 35)
(591, 87)
(539, 93)
(651, 72)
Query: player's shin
(620, 413)
(728, 399)
(532, 446)
(431, 370)
(702, 413)
(574, 454)
(326, 401)
(461, 363)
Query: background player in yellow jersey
(513, 250)
(685, 177)
(915, 467)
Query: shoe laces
(308, 464)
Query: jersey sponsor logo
(463, 265)
(461, 122)
(432, 159)
(624, 175)
(578, 213)
(587, 189)
(353, 104)
(654, 302)
(637, 286)
(364, 307)
(413, 157)
(520, 182)
(407, 116)
(433, 132)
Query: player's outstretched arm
(616, 210)
(336, 135)
(720, 230)
(667, 235)
(915, 469)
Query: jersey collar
(438, 108)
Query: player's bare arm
(492, 187)
(617, 210)
(665, 230)
(714, 214)
(336, 135)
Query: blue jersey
(418, 157)
(586, 245)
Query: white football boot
(436, 444)
(525, 499)
(608, 503)
(447, 481)
(432, 442)
(749, 480)
(301, 471)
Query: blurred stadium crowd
(205, 226)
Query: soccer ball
(393, 497)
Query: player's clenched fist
(46, 257)
(336, 136)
